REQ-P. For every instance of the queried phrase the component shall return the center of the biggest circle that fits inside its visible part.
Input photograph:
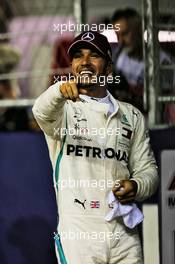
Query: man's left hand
(125, 191)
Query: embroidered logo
(124, 120)
(88, 36)
(95, 204)
(79, 202)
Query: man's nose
(85, 60)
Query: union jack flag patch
(95, 204)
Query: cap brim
(83, 44)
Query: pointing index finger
(74, 89)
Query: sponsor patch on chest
(95, 152)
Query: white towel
(131, 214)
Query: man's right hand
(70, 91)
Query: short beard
(85, 85)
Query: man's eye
(96, 55)
(77, 55)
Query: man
(85, 158)
(128, 59)
(130, 48)
(11, 119)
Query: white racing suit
(89, 151)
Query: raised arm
(49, 110)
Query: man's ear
(109, 68)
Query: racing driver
(72, 114)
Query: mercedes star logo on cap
(88, 36)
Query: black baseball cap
(91, 39)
